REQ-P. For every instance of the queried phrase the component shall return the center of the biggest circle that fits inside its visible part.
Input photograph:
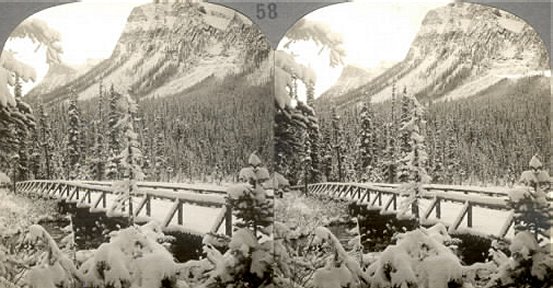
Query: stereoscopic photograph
(415, 138)
(382, 144)
(136, 147)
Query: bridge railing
(81, 194)
(171, 186)
(372, 194)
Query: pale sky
(89, 30)
(372, 31)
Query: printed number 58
(266, 10)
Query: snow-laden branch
(320, 34)
(41, 34)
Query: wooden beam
(430, 208)
(377, 198)
(460, 217)
(507, 225)
(72, 194)
(389, 203)
(171, 214)
(97, 202)
(142, 204)
(219, 220)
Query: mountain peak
(352, 77)
(460, 50)
(165, 49)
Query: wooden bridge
(449, 204)
(97, 197)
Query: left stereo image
(136, 148)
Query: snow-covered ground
(18, 212)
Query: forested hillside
(203, 133)
(485, 139)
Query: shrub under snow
(420, 258)
(134, 257)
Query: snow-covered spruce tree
(285, 143)
(249, 201)
(311, 146)
(366, 149)
(451, 157)
(414, 160)
(46, 141)
(39, 32)
(287, 72)
(326, 155)
(131, 161)
(98, 161)
(114, 134)
(438, 156)
(389, 163)
(34, 154)
(22, 133)
(16, 113)
(74, 136)
(404, 136)
(339, 145)
(160, 161)
(314, 133)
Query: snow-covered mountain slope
(460, 50)
(353, 77)
(167, 48)
(60, 74)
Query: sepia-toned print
(136, 147)
(415, 142)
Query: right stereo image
(412, 148)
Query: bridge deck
(195, 209)
(474, 209)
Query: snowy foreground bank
(423, 257)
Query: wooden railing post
(149, 206)
(438, 208)
(131, 211)
(469, 215)
(179, 214)
(228, 221)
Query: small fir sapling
(532, 210)
(249, 200)
(249, 259)
(530, 263)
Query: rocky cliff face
(167, 48)
(460, 50)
